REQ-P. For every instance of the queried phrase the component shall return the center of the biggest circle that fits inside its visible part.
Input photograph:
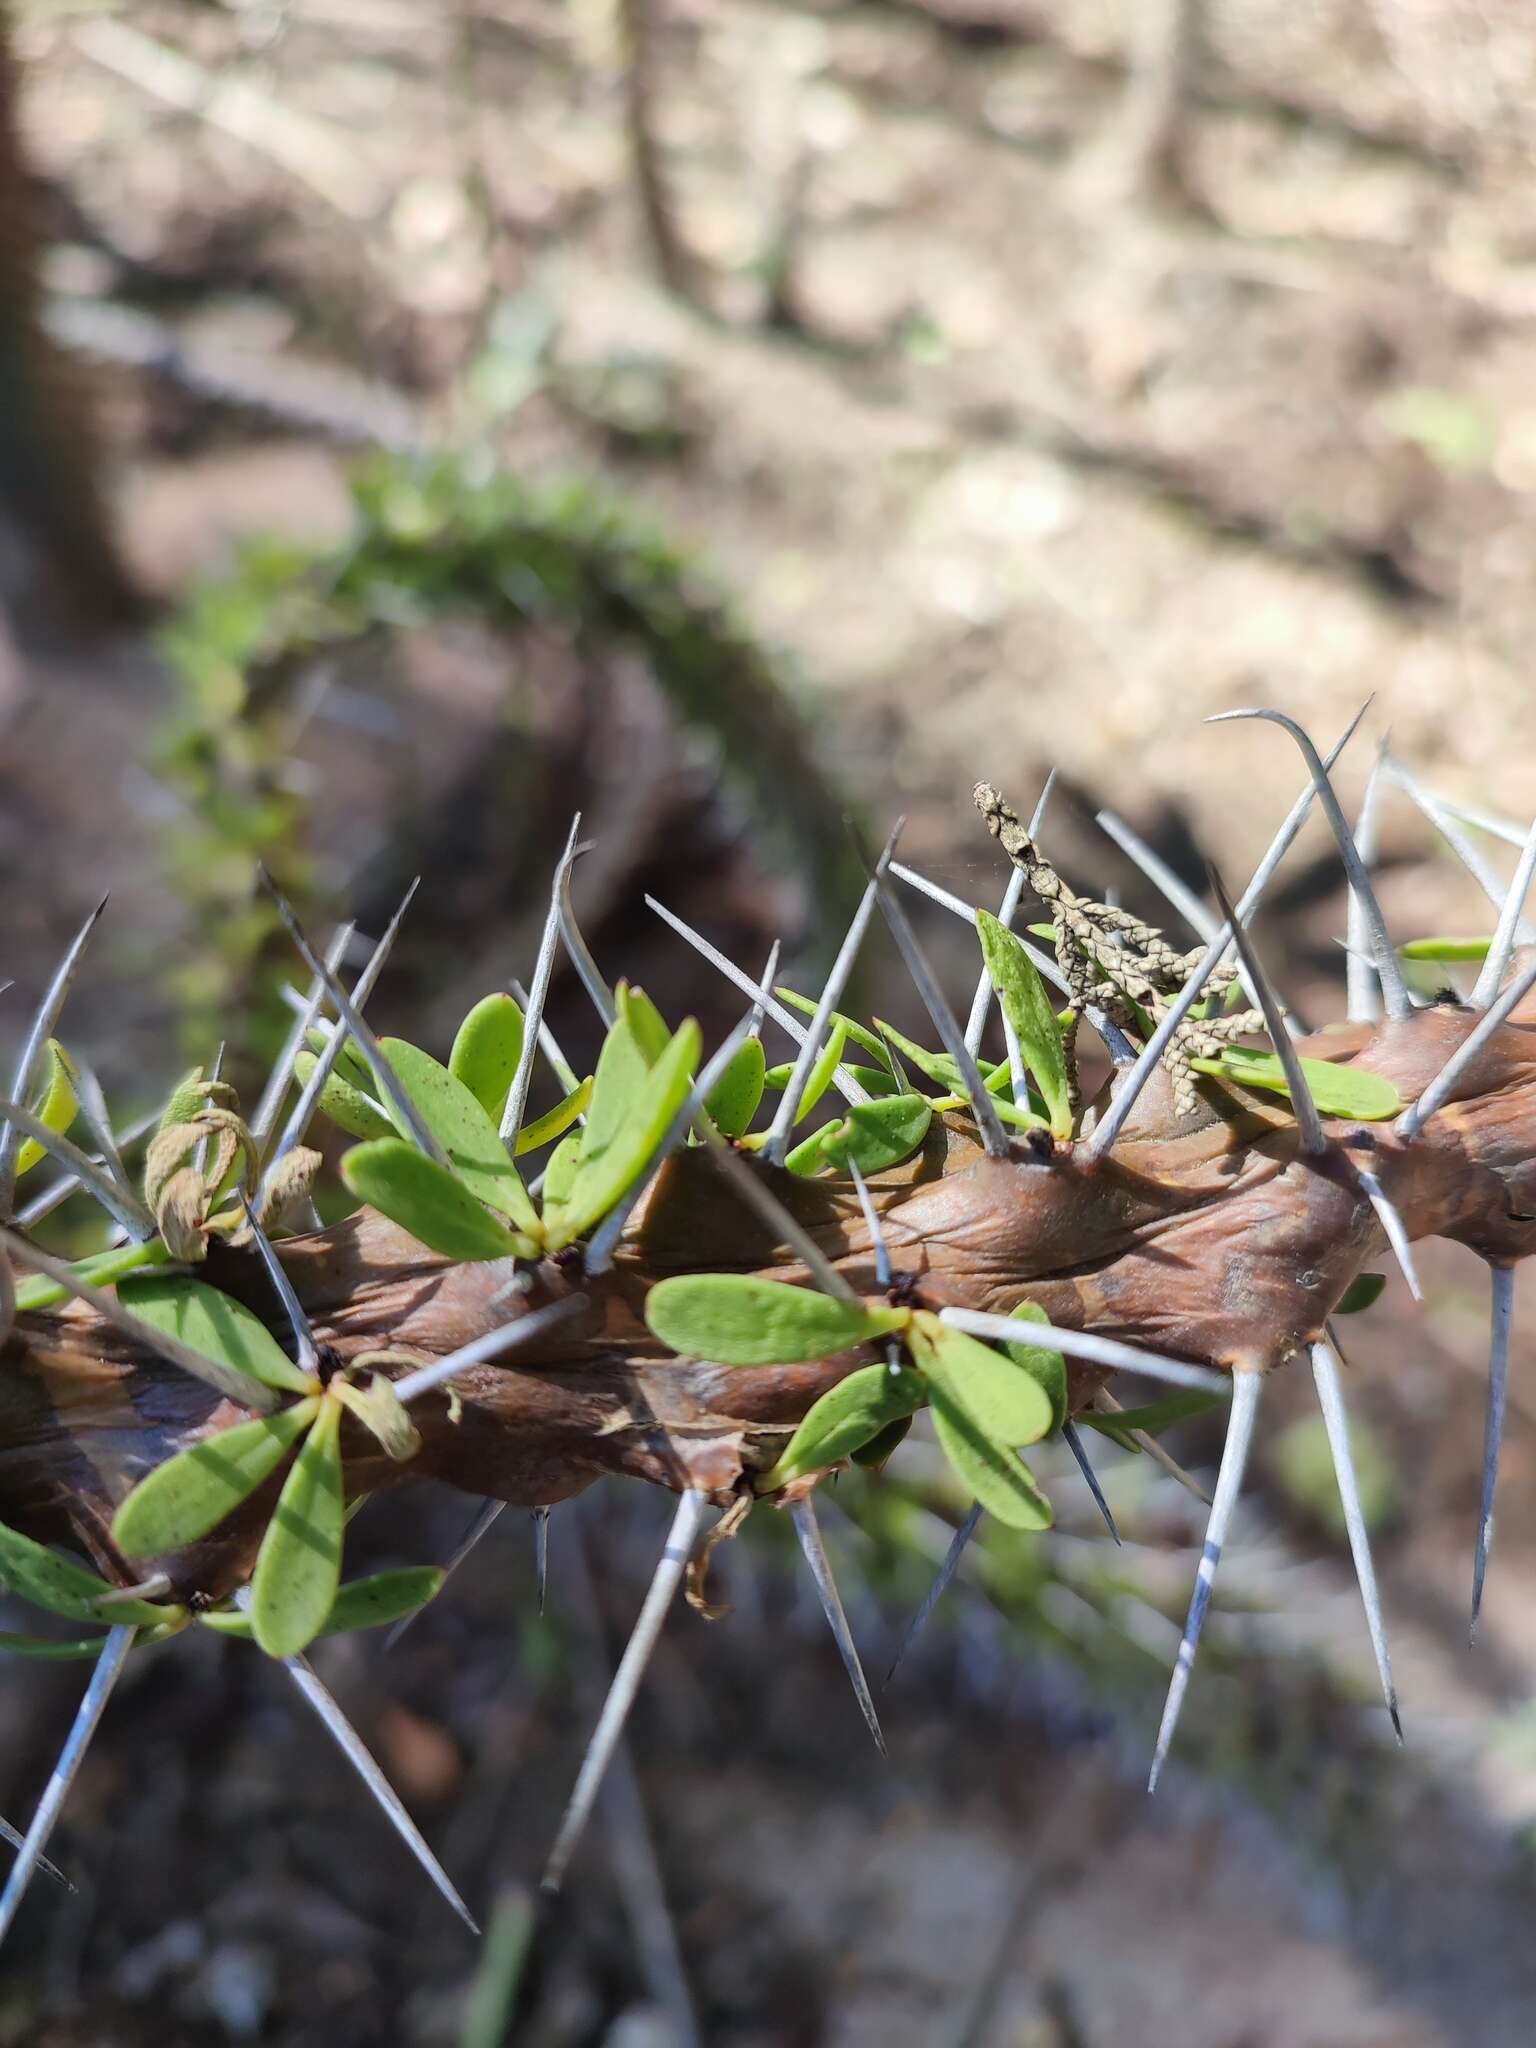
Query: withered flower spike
(486, 1516)
(353, 1748)
(305, 1355)
(1508, 934)
(1330, 1394)
(109, 1665)
(1392, 1226)
(1084, 1344)
(784, 1117)
(1363, 999)
(599, 1253)
(1493, 1435)
(803, 1513)
(387, 1080)
(681, 1538)
(39, 1032)
(538, 995)
(1308, 1122)
(541, 1553)
(988, 1123)
(1417, 1114)
(224, 1379)
(587, 969)
(938, 1589)
(298, 1034)
(1229, 1484)
(1393, 988)
(482, 1349)
(782, 1015)
(1120, 1049)
(873, 1223)
(1072, 1437)
(1013, 895)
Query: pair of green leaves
(1031, 1017)
(985, 1402)
(298, 1567)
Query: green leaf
(298, 1568)
(1364, 1289)
(486, 1050)
(1153, 1417)
(53, 1647)
(189, 1099)
(738, 1319)
(735, 1097)
(348, 1108)
(554, 1122)
(57, 1106)
(644, 1020)
(877, 1081)
(102, 1269)
(938, 1066)
(1047, 1368)
(214, 1324)
(35, 1573)
(1446, 949)
(365, 1603)
(605, 1171)
(183, 1499)
(859, 1034)
(873, 1134)
(559, 1177)
(882, 1448)
(824, 1066)
(465, 1132)
(984, 1406)
(349, 1064)
(845, 1419)
(1338, 1090)
(1028, 1009)
(430, 1202)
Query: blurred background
(733, 418)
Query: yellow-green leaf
(1028, 1009)
(555, 1122)
(56, 1107)
(34, 1572)
(486, 1051)
(348, 1108)
(644, 1020)
(1337, 1089)
(734, 1099)
(605, 1171)
(873, 1134)
(738, 1319)
(845, 1419)
(189, 1495)
(430, 1202)
(365, 1603)
(298, 1568)
(984, 1406)
(465, 1132)
(214, 1324)
(102, 1269)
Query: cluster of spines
(1372, 962)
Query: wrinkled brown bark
(1211, 1239)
